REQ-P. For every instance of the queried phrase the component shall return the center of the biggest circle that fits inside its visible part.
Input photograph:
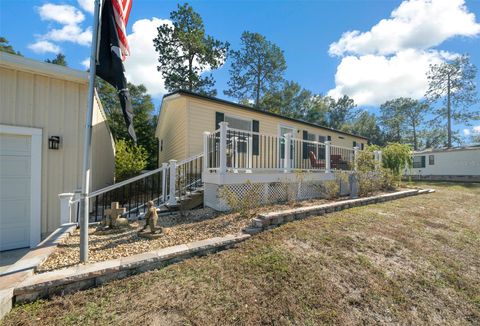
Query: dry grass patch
(410, 261)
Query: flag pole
(87, 142)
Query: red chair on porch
(314, 162)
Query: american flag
(112, 50)
(121, 10)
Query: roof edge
(246, 107)
(18, 62)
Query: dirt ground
(413, 261)
(177, 229)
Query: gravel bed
(177, 228)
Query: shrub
(366, 159)
(370, 178)
(242, 204)
(396, 157)
(130, 160)
(371, 181)
(331, 188)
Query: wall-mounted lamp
(54, 142)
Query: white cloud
(70, 33)
(86, 63)
(44, 47)
(476, 129)
(63, 14)
(87, 5)
(417, 24)
(466, 132)
(141, 65)
(70, 19)
(392, 58)
(374, 79)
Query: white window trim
(35, 177)
(281, 125)
(250, 121)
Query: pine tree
(58, 60)
(257, 69)
(453, 82)
(185, 52)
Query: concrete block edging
(69, 280)
(268, 221)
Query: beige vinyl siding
(30, 98)
(201, 117)
(172, 130)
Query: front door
(283, 130)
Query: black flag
(110, 64)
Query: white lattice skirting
(215, 196)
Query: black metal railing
(132, 194)
(189, 175)
(341, 158)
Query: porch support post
(223, 147)
(172, 199)
(327, 156)
(164, 181)
(250, 151)
(205, 151)
(287, 163)
(379, 159)
(355, 156)
(375, 158)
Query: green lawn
(410, 261)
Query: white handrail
(347, 148)
(189, 159)
(139, 177)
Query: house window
(354, 144)
(362, 146)
(239, 140)
(418, 162)
(317, 149)
(161, 145)
(238, 123)
(431, 159)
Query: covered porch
(276, 168)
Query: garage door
(15, 178)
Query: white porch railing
(239, 151)
(164, 186)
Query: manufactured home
(42, 119)
(449, 164)
(185, 116)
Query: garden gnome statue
(151, 217)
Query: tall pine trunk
(449, 113)
(415, 145)
(190, 73)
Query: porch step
(190, 201)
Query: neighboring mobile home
(450, 164)
(185, 116)
(38, 103)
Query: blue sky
(386, 58)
